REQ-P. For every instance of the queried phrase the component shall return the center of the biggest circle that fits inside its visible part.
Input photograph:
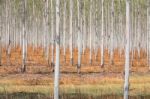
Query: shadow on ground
(22, 95)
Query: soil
(40, 72)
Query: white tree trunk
(71, 49)
(64, 31)
(102, 36)
(112, 34)
(148, 34)
(24, 37)
(57, 66)
(127, 51)
(90, 31)
(1, 31)
(52, 35)
(46, 31)
(79, 39)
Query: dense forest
(82, 26)
(59, 27)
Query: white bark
(46, 30)
(52, 35)
(90, 31)
(112, 34)
(1, 31)
(127, 51)
(64, 31)
(71, 49)
(84, 27)
(102, 36)
(148, 33)
(24, 37)
(79, 39)
(57, 66)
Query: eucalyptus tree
(127, 51)
(57, 40)
(112, 33)
(148, 33)
(52, 34)
(102, 35)
(64, 30)
(71, 33)
(24, 3)
(84, 26)
(1, 30)
(79, 38)
(90, 31)
(8, 19)
(46, 29)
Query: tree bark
(24, 37)
(64, 31)
(79, 39)
(52, 35)
(112, 34)
(127, 51)
(71, 39)
(90, 31)
(57, 40)
(102, 36)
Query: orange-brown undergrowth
(40, 73)
(36, 61)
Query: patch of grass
(96, 86)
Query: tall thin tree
(24, 36)
(79, 38)
(71, 37)
(52, 34)
(57, 40)
(112, 33)
(90, 31)
(64, 31)
(102, 36)
(127, 51)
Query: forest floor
(93, 80)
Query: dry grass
(93, 79)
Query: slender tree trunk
(24, 37)
(1, 30)
(102, 36)
(148, 33)
(46, 30)
(52, 35)
(91, 32)
(79, 39)
(71, 46)
(57, 66)
(112, 34)
(127, 51)
(64, 31)
(84, 27)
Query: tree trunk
(90, 31)
(52, 35)
(57, 40)
(102, 36)
(1, 31)
(24, 37)
(79, 39)
(64, 30)
(112, 34)
(148, 33)
(127, 51)
(71, 49)
(46, 31)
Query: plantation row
(82, 25)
